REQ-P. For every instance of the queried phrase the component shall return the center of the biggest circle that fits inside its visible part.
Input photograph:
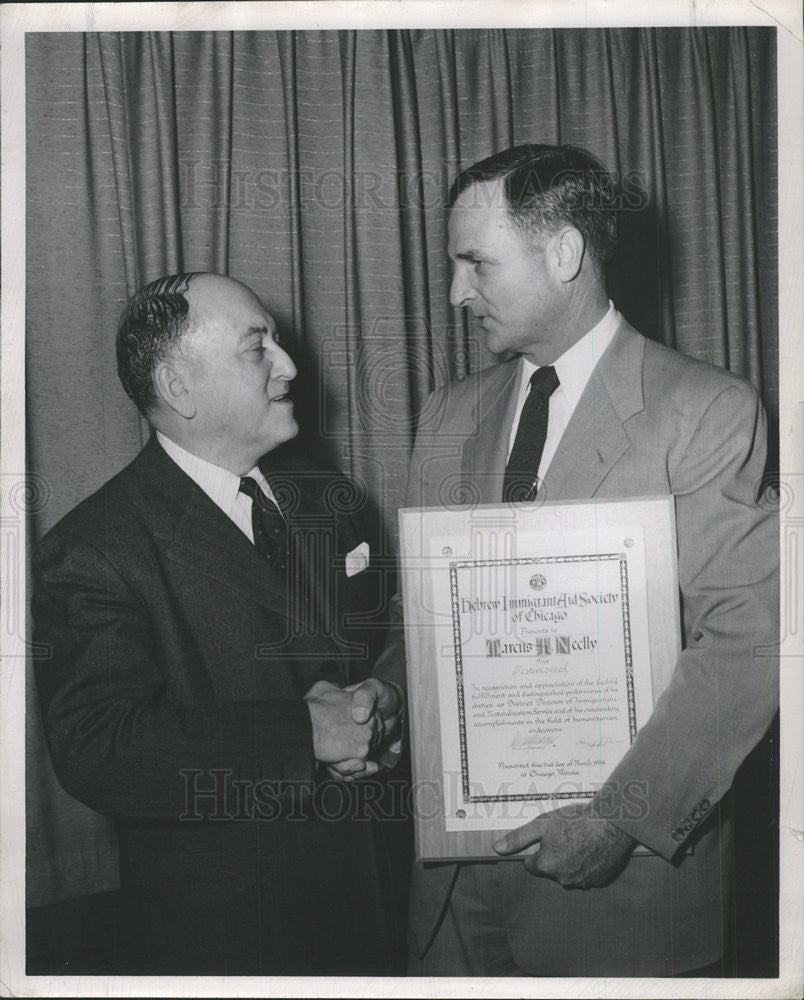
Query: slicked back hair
(547, 187)
(153, 323)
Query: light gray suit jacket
(651, 421)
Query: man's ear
(171, 387)
(568, 248)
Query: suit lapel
(316, 565)
(197, 534)
(208, 541)
(485, 451)
(320, 536)
(595, 437)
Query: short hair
(550, 186)
(153, 323)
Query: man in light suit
(530, 231)
(203, 611)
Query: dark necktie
(523, 465)
(267, 524)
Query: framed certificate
(538, 637)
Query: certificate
(538, 638)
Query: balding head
(152, 325)
(209, 372)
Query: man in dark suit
(588, 408)
(202, 613)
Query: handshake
(353, 725)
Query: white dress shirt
(220, 485)
(574, 369)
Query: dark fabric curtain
(314, 167)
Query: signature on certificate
(602, 741)
(525, 742)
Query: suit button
(687, 825)
(704, 805)
(678, 834)
(696, 815)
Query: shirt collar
(575, 366)
(219, 484)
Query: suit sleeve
(391, 664)
(117, 743)
(724, 690)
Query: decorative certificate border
(457, 644)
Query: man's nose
(281, 364)
(460, 290)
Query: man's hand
(374, 695)
(371, 699)
(336, 735)
(577, 848)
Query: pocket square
(358, 559)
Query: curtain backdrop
(314, 167)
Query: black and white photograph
(402, 499)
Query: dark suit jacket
(172, 699)
(650, 422)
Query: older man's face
(237, 374)
(508, 287)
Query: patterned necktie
(523, 465)
(268, 525)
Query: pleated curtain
(314, 167)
